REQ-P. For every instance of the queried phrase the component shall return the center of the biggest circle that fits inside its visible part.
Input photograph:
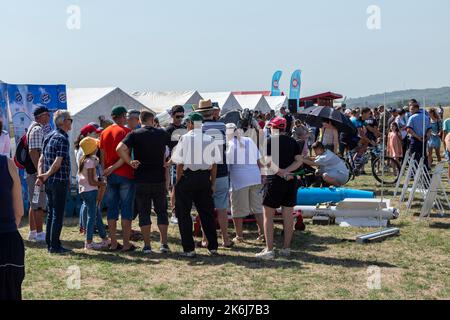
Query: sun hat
(205, 105)
(90, 128)
(119, 111)
(89, 145)
(278, 123)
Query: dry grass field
(324, 265)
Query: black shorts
(12, 269)
(280, 193)
(146, 195)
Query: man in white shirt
(196, 178)
(5, 140)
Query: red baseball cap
(278, 123)
(88, 129)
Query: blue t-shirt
(358, 123)
(417, 122)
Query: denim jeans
(56, 196)
(93, 215)
(119, 197)
(83, 216)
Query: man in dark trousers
(196, 175)
(419, 130)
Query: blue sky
(227, 45)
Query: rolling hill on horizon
(432, 96)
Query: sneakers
(105, 244)
(191, 254)
(164, 248)
(32, 236)
(93, 246)
(60, 251)
(213, 253)
(147, 250)
(174, 220)
(40, 237)
(285, 252)
(266, 255)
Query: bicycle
(391, 166)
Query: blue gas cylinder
(314, 196)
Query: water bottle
(36, 194)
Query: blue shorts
(221, 196)
(119, 196)
(173, 175)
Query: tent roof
(164, 100)
(80, 98)
(220, 97)
(276, 102)
(227, 101)
(253, 102)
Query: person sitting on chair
(332, 169)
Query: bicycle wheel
(351, 176)
(391, 169)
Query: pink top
(83, 180)
(394, 148)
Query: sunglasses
(179, 117)
(71, 120)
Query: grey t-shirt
(329, 162)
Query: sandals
(238, 240)
(132, 248)
(118, 248)
(229, 246)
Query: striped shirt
(217, 130)
(56, 144)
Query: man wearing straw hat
(217, 130)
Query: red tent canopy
(323, 99)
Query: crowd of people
(133, 166)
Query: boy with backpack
(28, 152)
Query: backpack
(22, 157)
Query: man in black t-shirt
(280, 190)
(149, 165)
(175, 130)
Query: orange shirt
(109, 140)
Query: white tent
(277, 102)
(89, 104)
(254, 102)
(163, 101)
(227, 101)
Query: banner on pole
(296, 84)
(276, 83)
(24, 99)
(20, 101)
(3, 106)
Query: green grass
(414, 265)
